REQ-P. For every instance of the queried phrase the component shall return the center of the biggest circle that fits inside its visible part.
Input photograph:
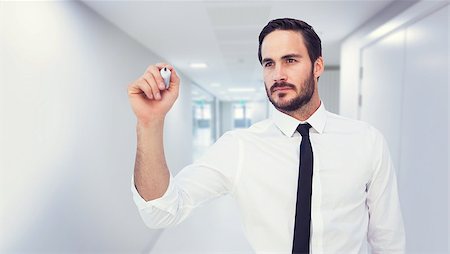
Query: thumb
(174, 79)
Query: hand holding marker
(165, 74)
(154, 93)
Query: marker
(165, 74)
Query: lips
(280, 89)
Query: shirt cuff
(166, 203)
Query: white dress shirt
(354, 192)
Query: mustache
(281, 85)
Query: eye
(291, 60)
(268, 64)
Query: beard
(303, 97)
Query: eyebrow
(265, 60)
(291, 56)
(283, 57)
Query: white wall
(67, 133)
(423, 162)
(350, 56)
(382, 87)
(226, 117)
(404, 90)
(329, 88)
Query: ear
(318, 67)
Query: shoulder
(230, 144)
(338, 123)
(354, 130)
(262, 128)
(363, 139)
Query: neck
(306, 110)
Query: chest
(270, 168)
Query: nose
(279, 73)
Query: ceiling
(224, 34)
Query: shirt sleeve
(386, 231)
(211, 176)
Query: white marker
(165, 74)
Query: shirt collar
(288, 125)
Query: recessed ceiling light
(215, 84)
(198, 65)
(241, 90)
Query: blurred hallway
(67, 133)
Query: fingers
(155, 72)
(152, 83)
(174, 79)
(140, 86)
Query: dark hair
(311, 39)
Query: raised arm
(150, 102)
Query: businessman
(305, 180)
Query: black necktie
(303, 209)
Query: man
(306, 180)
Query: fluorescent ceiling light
(241, 90)
(198, 65)
(215, 85)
